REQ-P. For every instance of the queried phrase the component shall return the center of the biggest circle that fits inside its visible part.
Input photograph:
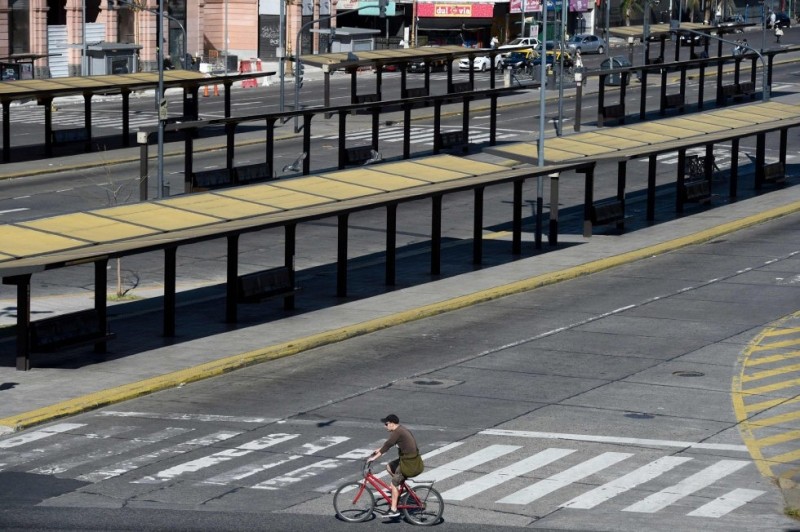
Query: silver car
(586, 43)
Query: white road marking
(188, 417)
(174, 450)
(463, 464)
(726, 503)
(297, 475)
(17, 457)
(9, 211)
(247, 471)
(495, 478)
(614, 439)
(568, 476)
(28, 437)
(624, 483)
(701, 479)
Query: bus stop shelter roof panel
(157, 216)
(89, 227)
(610, 141)
(697, 124)
(577, 145)
(219, 206)
(625, 133)
(279, 198)
(460, 164)
(659, 29)
(327, 188)
(718, 118)
(661, 129)
(24, 241)
(743, 113)
(417, 170)
(386, 182)
(398, 55)
(528, 152)
(782, 110)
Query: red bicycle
(355, 502)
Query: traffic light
(382, 8)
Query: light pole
(542, 111)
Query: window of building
(20, 26)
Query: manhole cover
(425, 384)
(688, 373)
(639, 415)
(428, 383)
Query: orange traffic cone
(216, 90)
(205, 91)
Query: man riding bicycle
(407, 447)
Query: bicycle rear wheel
(432, 506)
(353, 503)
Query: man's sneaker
(391, 514)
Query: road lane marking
(555, 482)
(701, 479)
(39, 434)
(468, 462)
(614, 439)
(625, 483)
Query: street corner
(766, 401)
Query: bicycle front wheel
(429, 512)
(353, 502)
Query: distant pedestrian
(495, 42)
(778, 33)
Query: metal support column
(680, 182)
(289, 250)
(232, 279)
(588, 201)
(391, 244)
(516, 224)
(477, 227)
(87, 120)
(170, 274)
(761, 145)
(734, 171)
(436, 235)
(23, 284)
(552, 235)
(651, 187)
(101, 300)
(341, 257)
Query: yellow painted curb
(231, 363)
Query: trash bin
(618, 61)
(233, 63)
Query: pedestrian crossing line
(775, 439)
(774, 358)
(120, 468)
(770, 403)
(257, 467)
(564, 478)
(766, 374)
(727, 503)
(772, 421)
(625, 483)
(117, 449)
(778, 345)
(297, 475)
(28, 437)
(687, 486)
(216, 458)
(466, 463)
(172, 416)
(495, 478)
(17, 458)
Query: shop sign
(460, 10)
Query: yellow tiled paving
(89, 227)
(384, 181)
(327, 188)
(220, 206)
(429, 174)
(21, 242)
(698, 124)
(157, 216)
(280, 198)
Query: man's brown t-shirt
(403, 438)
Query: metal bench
(67, 330)
(696, 191)
(65, 136)
(674, 101)
(211, 179)
(415, 92)
(607, 212)
(463, 86)
(612, 112)
(774, 172)
(259, 286)
(453, 140)
(252, 173)
(357, 154)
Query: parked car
(618, 61)
(480, 63)
(518, 59)
(436, 64)
(522, 41)
(782, 20)
(586, 43)
(554, 56)
(691, 39)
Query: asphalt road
(523, 406)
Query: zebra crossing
(70, 119)
(477, 471)
(722, 156)
(418, 135)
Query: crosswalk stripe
(463, 464)
(495, 478)
(119, 448)
(624, 483)
(564, 478)
(216, 458)
(297, 475)
(38, 434)
(687, 486)
(125, 466)
(726, 503)
(15, 458)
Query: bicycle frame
(385, 491)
